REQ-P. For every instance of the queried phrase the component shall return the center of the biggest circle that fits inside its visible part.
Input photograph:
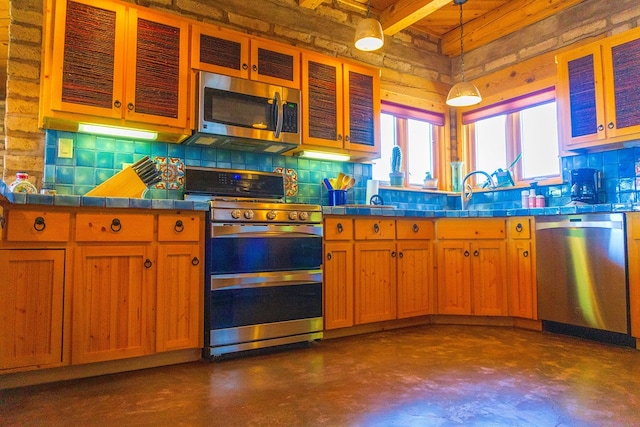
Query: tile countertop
(103, 202)
(558, 210)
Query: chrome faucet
(467, 190)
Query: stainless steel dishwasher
(581, 270)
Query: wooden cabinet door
(179, 297)
(156, 90)
(522, 280)
(218, 51)
(361, 109)
(489, 278)
(580, 91)
(88, 57)
(322, 99)
(621, 60)
(415, 278)
(375, 281)
(454, 277)
(31, 307)
(113, 295)
(275, 63)
(633, 255)
(338, 285)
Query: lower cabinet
(375, 281)
(633, 253)
(521, 264)
(338, 284)
(31, 307)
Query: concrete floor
(421, 376)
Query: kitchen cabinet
(341, 104)
(226, 52)
(633, 265)
(521, 267)
(338, 273)
(471, 260)
(31, 307)
(117, 64)
(597, 92)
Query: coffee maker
(586, 186)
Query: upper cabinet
(117, 64)
(341, 104)
(226, 52)
(597, 92)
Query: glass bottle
(456, 176)
(22, 184)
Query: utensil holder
(337, 197)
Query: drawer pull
(147, 263)
(329, 257)
(195, 261)
(519, 228)
(400, 254)
(376, 228)
(38, 224)
(416, 228)
(340, 228)
(179, 227)
(525, 254)
(476, 253)
(116, 225)
(466, 253)
(393, 254)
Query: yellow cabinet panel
(375, 282)
(114, 227)
(37, 226)
(415, 278)
(338, 285)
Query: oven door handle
(221, 282)
(266, 231)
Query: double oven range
(263, 284)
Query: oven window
(253, 306)
(264, 254)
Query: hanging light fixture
(463, 94)
(369, 34)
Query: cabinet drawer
(37, 226)
(375, 229)
(181, 228)
(338, 229)
(450, 228)
(115, 227)
(519, 228)
(414, 229)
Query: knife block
(125, 183)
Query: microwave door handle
(278, 115)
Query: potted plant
(430, 183)
(396, 177)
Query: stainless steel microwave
(246, 115)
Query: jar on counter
(22, 184)
(540, 201)
(532, 198)
(525, 198)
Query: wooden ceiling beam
(500, 22)
(404, 13)
(310, 4)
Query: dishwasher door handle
(612, 225)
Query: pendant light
(369, 34)
(463, 94)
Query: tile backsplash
(96, 159)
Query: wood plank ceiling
(484, 20)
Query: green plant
(428, 176)
(396, 159)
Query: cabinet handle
(38, 224)
(254, 68)
(340, 228)
(416, 228)
(195, 261)
(525, 254)
(116, 225)
(600, 128)
(610, 125)
(347, 138)
(519, 228)
(147, 263)
(117, 104)
(476, 253)
(179, 227)
(376, 228)
(130, 106)
(400, 254)
(2, 222)
(245, 66)
(466, 253)
(393, 254)
(329, 257)
(339, 137)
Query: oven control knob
(303, 216)
(293, 216)
(271, 215)
(235, 214)
(248, 214)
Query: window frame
(439, 122)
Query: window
(417, 133)
(526, 126)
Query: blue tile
(84, 176)
(50, 155)
(105, 144)
(626, 155)
(104, 159)
(159, 149)
(117, 202)
(93, 201)
(103, 174)
(162, 204)
(40, 199)
(142, 147)
(64, 200)
(85, 141)
(626, 169)
(140, 203)
(176, 150)
(80, 190)
(120, 158)
(64, 174)
(610, 157)
(208, 154)
(85, 157)
(595, 160)
(124, 146)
